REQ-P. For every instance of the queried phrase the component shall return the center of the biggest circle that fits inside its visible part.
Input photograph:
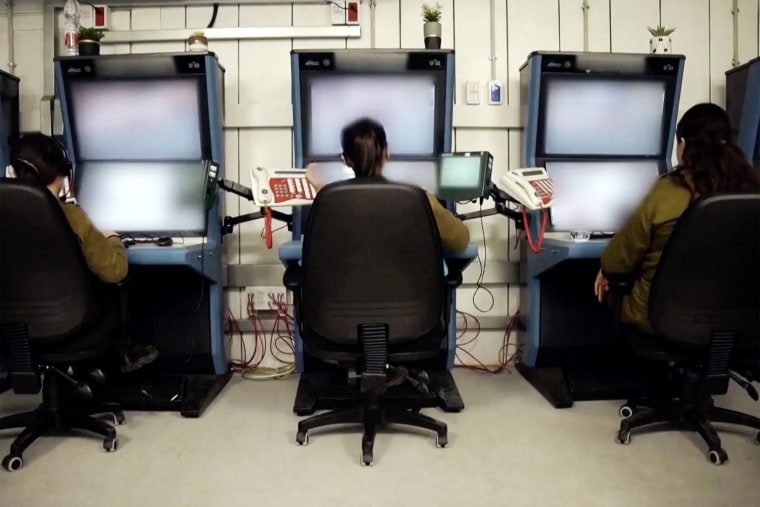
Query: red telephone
(281, 187)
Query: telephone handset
(281, 187)
(531, 187)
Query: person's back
(365, 151)
(709, 162)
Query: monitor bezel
(662, 169)
(174, 233)
(10, 94)
(203, 110)
(439, 80)
(668, 108)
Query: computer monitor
(598, 196)
(602, 117)
(404, 105)
(464, 176)
(151, 198)
(138, 120)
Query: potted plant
(197, 42)
(89, 41)
(660, 41)
(431, 15)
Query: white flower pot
(660, 45)
(432, 31)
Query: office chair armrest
(457, 262)
(293, 277)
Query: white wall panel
(387, 26)
(629, 21)
(531, 26)
(692, 19)
(721, 48)
(748, 30)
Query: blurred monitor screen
(604, 117)
(137, 119)
(403, 104)
(146, 198)
(598, 196)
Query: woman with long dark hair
(709, 162)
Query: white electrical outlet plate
(473, 93)
(494, 93)
(338, 12)
(262, 297)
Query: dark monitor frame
(11, 105)
(485, 160)
(670, 82)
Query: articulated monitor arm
(230, 222)
(500, 199)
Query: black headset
(67, 165)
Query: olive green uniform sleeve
(106, 257)
(627, 249)
(455, 236)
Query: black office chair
(52, 329)
(704, 307)
(372, 296)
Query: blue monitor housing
(9, 115)
(603, 126)
(410, 92)
(743, 107)
(145, 137)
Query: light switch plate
(473, 93)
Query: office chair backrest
(708, 279)
(372, 255)
(44, 279)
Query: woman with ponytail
(709, 162)
(365, 151)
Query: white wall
(258, 72)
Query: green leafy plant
(91, 34)
(431, 13)
(661, 31)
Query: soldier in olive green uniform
(708, 162)
(39, 158)
(365, 150)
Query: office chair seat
(652, 347)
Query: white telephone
(281, 187)
(529, 186)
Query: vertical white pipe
(11, 38)
(372, 27)
(493, 40)
(585, 6)
(735, 16)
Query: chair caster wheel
(110, 445)
(717, 456)
(119, 419)
(13, 463)
(624, 437)
(366, 459)
(757, 438)
(441, 441)
(625, 411)
(302, 438)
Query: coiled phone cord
(535, 248)
(268, 227)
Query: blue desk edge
(292, 251)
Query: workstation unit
(411, 93)
(743, 107)
(603, 127)
(145, 137)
